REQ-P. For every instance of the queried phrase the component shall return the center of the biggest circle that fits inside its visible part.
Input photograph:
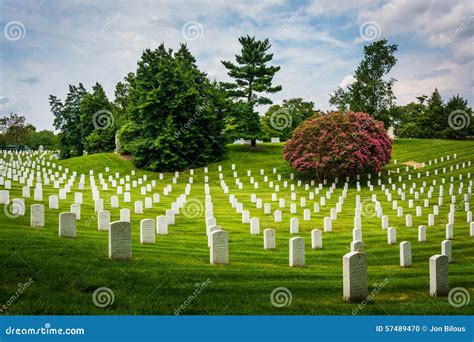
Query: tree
(459, 117)
(252, 77)
(281, 120)
(15, 129)
(97, 117)
(44, 138)
(176, 115)
(339, 144)
(67, 119)
(371, 92)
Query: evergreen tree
(67, 119)
(253, 77)
(176, 115)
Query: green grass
(162, 277)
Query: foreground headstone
(269, 239)
(67, 225)
(37, 215)
(405, 254)
(120, 240)
(219, 252)
(316, 239)
(147, 231)
(297, 256)
(355, 276)
(439, 284)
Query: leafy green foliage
(253, 77)
(176, 114)
(281, 120)
(432, 118)
(14, 130)
(370, 93)
(44, 138)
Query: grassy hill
(163, 278)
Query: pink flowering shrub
(339, 144)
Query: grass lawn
(165, 276)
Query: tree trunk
(253, 142)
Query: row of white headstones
(120, 231)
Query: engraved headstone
(120, 240)
(297, 253)
(355, 276)
(67, 225)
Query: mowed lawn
(164, 277)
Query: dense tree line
(15, 132)
(169, 115)
(433, 118)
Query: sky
(45, 45)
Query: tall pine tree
(253, 77)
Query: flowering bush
(339, 144)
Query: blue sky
(46, 45)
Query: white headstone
(391, 236)
(439, 283)
(405, 254)
(37, 215)
(103, 220)
(421, 233)
(219, 252)
(446, 249)
(294, 225)
(254, 226)
(120, 240)
(269, 239)
(161, 225)
(67, 225)
(297, 253)
(147, 231)
(316, 239)
(125, 215)
(355, 276)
